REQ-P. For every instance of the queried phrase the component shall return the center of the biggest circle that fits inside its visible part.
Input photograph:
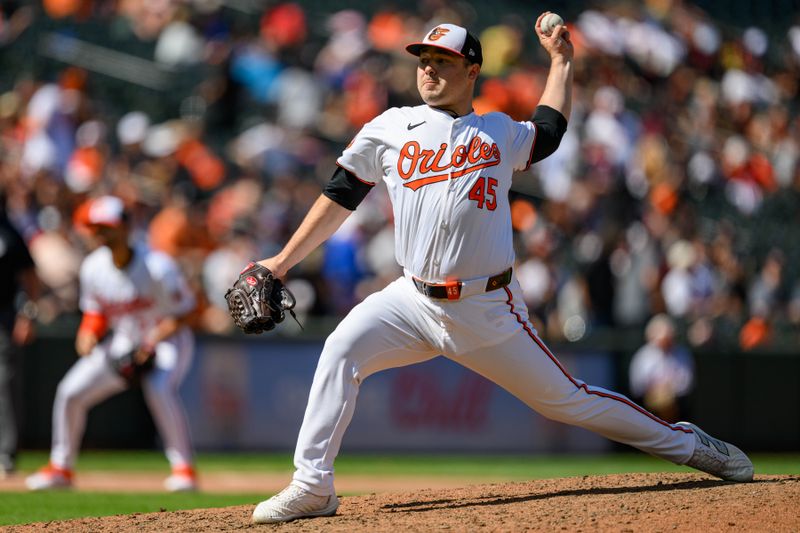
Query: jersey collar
(450, 114)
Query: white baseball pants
(488, 333)
(92, 380)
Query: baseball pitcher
(448, 172)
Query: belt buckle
(453, 290)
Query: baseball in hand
(549, 22)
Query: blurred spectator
(662, 372)
(672, 190)
(220, 269)
(764, 294)
(676, 288)
(342, 268)
(634, 264)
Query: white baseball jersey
(136, 297)
(448, 179)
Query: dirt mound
(626, 502)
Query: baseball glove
(258, 300)
(134, 364)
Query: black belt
(451, 290)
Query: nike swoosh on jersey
(412, 126)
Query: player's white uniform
(133, 299)
(448, 180)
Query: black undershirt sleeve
(346, 189)
(550, 128)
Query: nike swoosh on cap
(412, 126)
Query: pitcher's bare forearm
(322, 221)
(558, 90)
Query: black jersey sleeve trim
(353, 174)
(550, 128)
(347, 189)
(533, 145)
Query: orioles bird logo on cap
(437, 33)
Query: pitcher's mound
(624, 502)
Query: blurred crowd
(676, 189)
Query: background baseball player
(133, 301)
(448, 172)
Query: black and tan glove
(258, 300)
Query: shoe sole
(181, 489)
(327, 511)
(48, 487)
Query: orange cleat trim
(51, 468)
(184, 470)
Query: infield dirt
(624, 503)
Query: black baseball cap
(451, 38)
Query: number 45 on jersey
(483, 192)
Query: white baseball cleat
(183, 479)
(718, 458)
(294, 502)
(49, 477)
